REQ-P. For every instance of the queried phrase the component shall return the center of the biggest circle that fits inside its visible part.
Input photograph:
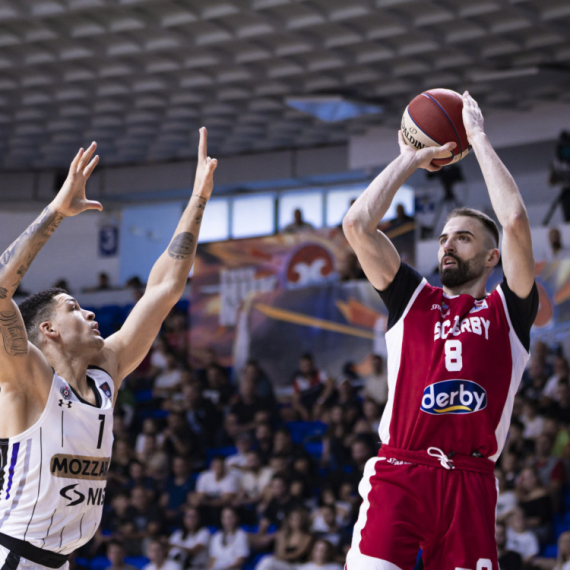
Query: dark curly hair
(37, 309)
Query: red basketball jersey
(454, 366)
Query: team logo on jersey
(453, 397)
(65, 392)
(479, 306)
(106, 389)
(79, 467)
(94, 497)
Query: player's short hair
(489, 224)
(37, 309)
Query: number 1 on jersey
(453, 358)
(101, 428)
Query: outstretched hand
(472, 117)
(204, 181)
(425, 155)
(71, 199)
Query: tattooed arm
(16, 353)
(124, 350)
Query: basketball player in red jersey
(455, 359)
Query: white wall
(71, 253)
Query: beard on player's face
(464, 272)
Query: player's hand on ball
(472, 116)
(71, 199)
(425, 155)
(204, 182)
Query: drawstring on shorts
(445, 460)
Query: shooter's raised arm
(518, 260)
(125, 349)
(376, 253)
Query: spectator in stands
(533, 422)
(283, 444)
(560, 407)
(298, 225)
(325, 524)
(507, 499)
(63, 284)
(147, 516)
(116, 556)
(168, 381)
(372, 414)
(218, 388)
(556, 250)
(202, 416)
(246, 403)
(376, 383)
(310, 386)
(189, 545)
(535, 380)
(229, 432)
(254, 478)
(535, 503)
(273, 510)
(401, 218)
(178, 439)
(519, 538)
(177, 487)
(516, 444)
(561, 374)
(175, 329)
(229, 547)
(103, 284)
(335, 452)
(264, 441)
(292, 543)
(244, 444)
(550, 469)
(157, 554)
(215, 488)
(149, 429)
(118, 474)
(139, 478)
(263, 386)
(322, 557)
(508, 559)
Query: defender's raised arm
(125, 349)
(16, 260)
(376, 253)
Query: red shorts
(410, 501)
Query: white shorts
(11, 561)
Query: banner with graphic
(275, 297)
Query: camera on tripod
(560, 174)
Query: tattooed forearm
(13, 334)
(198, 219)
(23, 251)
(182, 246)
(3, 293)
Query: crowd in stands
(211, 470)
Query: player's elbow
(352, 225)
(517, 223)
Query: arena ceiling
(140, 76)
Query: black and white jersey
(53, 476)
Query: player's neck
(474, 288)
(72, 369)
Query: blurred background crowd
(212, 469)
